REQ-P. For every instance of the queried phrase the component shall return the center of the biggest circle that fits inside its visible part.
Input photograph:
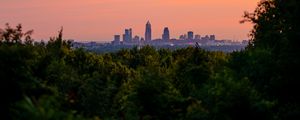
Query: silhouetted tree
(274, 54)
(10, 36)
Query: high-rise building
(205, 38)
(182, 37)
(136, 39)
(130, 34)
(212, 37)
(197, 37)
(190, 35)
(117, 39)
(166, 34)
(127, 37)
(148, 32)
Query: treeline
(52, 81)
(107, 48)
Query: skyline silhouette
(100, 20)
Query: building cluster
(188, 38)
(128, 40)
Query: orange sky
(101, 19)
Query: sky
(99, 20)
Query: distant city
(184, 39)
(129, 40)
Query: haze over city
(99, 20)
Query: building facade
(127, 37)
(166, 34)
(190, 35)
(148, 32)
(117, 39)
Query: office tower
(124, 38)
(205, 38)
(136, 39)
(197, 37)
(212, 37)
(190, 35)
(127, 37)
(166, 34)
(130, 34)
(148, 32)
(117, 39)
(182, 37)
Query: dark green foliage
(13, 36)
(271, 61)
(232, 98)
(46, 108)
(153, 96)
(192, 70)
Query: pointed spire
(148, 31)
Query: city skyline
(127, 36)
(100, 20)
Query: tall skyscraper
(190, 35)
(166, 34)
(148, 32)
(127, 37)
(130, 34)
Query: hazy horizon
(94, 20)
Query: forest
(53, 81)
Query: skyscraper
(190, 35)
(166, 34)
(127, 37)
(116, 40)
(130, 34)
(212, 37)
(148, 32)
